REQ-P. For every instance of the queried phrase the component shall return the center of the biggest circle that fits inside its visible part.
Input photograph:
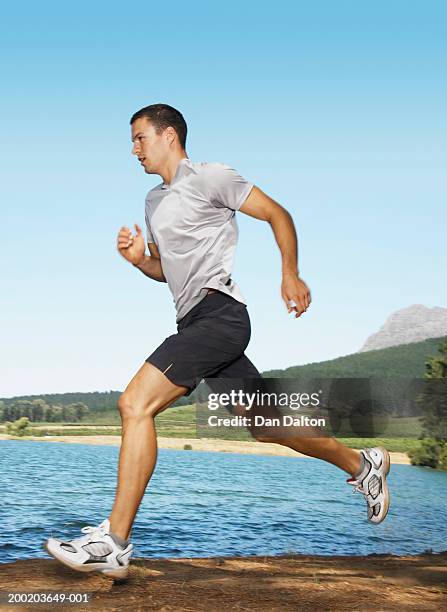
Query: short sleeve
(149, 235)
(226, 186)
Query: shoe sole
(118, 573)
(385, 489)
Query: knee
(132, 408)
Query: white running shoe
(95, 551)
(372, 482)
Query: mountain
(412, 324)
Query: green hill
(404, 360)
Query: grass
(180, 422)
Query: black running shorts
(210, 343)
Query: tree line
(38, 410)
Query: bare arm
(132, 248)
(260, 206)
(150, 265)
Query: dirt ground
(283, 583)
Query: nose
(135, 149)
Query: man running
(191, 235)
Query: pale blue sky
(337, 110)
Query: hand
(295, 289)
(131, 247)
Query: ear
(170, 134)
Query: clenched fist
(131, 247)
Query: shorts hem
(172, 378)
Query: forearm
(151, 267)
(285, 235)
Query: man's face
(150, 148)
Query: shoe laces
(358, 488)
(93, 529)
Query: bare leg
(322, 447)
(148, 393)
(328, 449)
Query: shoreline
(198, 444)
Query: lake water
(212, 504)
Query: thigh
(150, 390)
(242, 375)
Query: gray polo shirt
(192, 221)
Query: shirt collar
(184, 168)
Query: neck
(169, 169)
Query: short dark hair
(162, 116)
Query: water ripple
(208, 504)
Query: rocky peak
(411, 324)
